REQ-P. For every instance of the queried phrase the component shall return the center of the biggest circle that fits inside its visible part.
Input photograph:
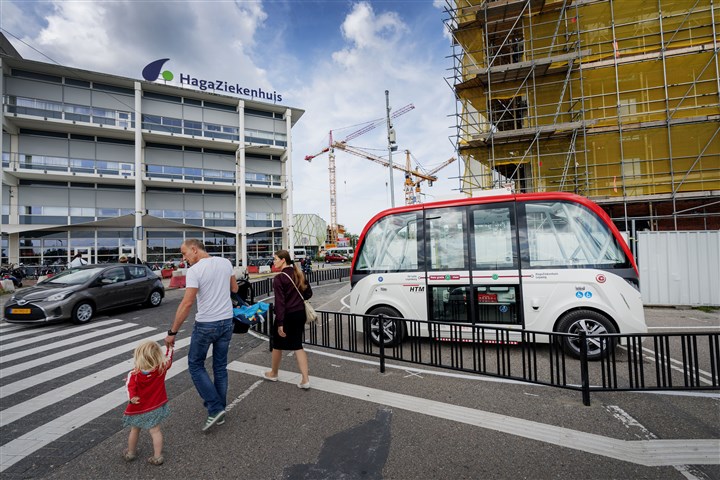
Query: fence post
(381, 324)
(584, 375)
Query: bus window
(446, 239)
(493, 239)
(562, 234)
(497, 304)
(449, 303)
(390, 245)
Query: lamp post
(392, 146)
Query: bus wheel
(391, 331)
(592, 323)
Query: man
(78, 261)
(123, 259)
(209, 280)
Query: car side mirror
(106, 281)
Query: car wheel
(392, 332)
(592, 323)
(83, 312)
(155, 299)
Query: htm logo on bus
(151, 72)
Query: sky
(334, 59)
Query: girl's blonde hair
(148, 356)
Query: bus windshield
(391, 245)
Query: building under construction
(617, 100)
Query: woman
(289, 316)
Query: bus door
(496, 290)
(449, 286)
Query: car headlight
(58, 296)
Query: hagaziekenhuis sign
(151, 72)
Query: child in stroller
(246, 313)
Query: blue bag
(246, 316)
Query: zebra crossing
(42, 367)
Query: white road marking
(710, 327)
(343, 299)
(705, 376)
(15, 450)
(21, 367)
(644, 434)
(648, 452)
(23, 331)
(50, 335)
(9, 327)
(63, 343)
(243, 395)
(16, 412)
(53, 373)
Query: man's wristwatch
(171, 333)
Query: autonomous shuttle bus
(546, 262)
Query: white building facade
(111, 165)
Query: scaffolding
(617, 100)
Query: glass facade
(72, 160)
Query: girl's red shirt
(149, 387)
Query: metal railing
(263, 288)
(641, 362)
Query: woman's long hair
(298, 275)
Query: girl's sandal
(156, 460)
(129, 456)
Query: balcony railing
(67, 165)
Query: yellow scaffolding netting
(631, 106)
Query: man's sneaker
(217, 419)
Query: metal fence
(263, 288)
(662, 361)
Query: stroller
(246, 313)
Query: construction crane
(331, 163)
(360, 153)
(412, 186)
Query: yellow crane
(412, 185)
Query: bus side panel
(550, 293)
(403, 292)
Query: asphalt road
(354, 423)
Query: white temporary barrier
(679, 268)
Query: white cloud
(382, 53)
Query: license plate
(20, 311)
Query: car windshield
(74, 276)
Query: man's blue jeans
(217, 334)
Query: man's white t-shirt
(211, 276)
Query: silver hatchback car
(78, 293)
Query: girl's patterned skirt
(147, 420)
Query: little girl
(148, 399)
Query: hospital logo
(151, 72)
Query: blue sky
(334, 59)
